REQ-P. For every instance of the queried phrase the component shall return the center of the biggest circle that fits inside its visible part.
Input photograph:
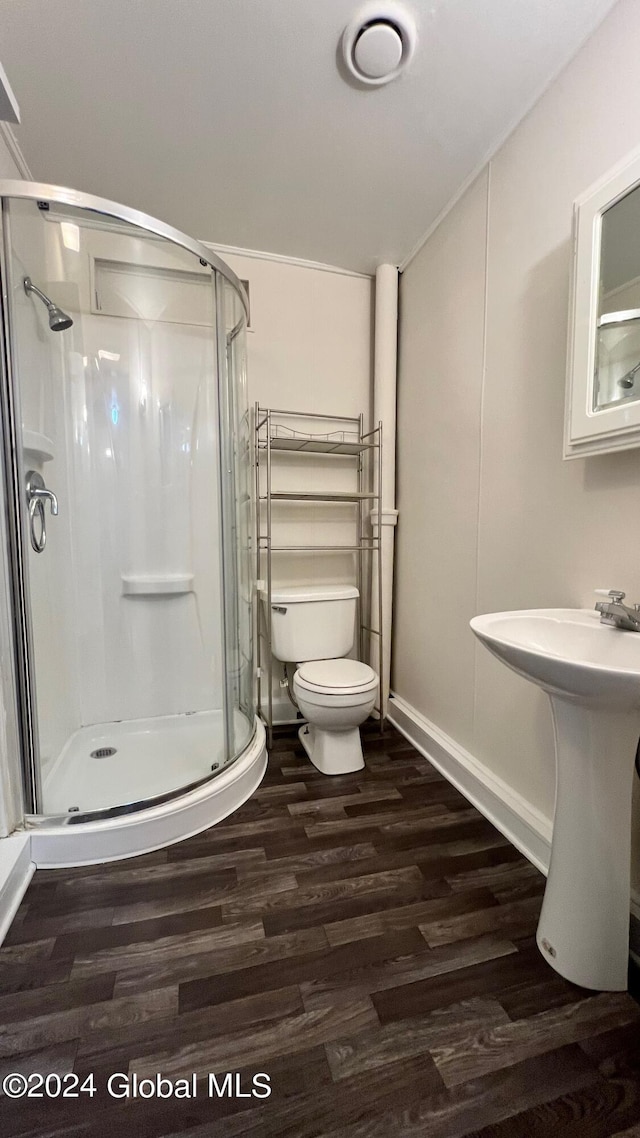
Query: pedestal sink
(591, 673)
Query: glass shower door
(118, 458)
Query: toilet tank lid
(296, 594)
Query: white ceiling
(229, 118)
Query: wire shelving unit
(345, 437)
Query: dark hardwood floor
(366, 941)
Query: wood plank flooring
(366, 941)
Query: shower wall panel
(142, 455)
(142, 501)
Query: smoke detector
(379, 42)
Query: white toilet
(314, 627)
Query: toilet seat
(336, 677)
(335, 696)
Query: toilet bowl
(316, 625)
(335, 697)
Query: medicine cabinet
(603, 381)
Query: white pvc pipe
(384, 374)
(384, 410)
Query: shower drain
(103, 752)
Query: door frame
(25, 692)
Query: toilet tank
(312, 622)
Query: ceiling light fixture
(379, 42)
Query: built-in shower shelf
(619, 317)
(37, 447)
(156, 585)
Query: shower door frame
(12, 489)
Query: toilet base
(333, 752)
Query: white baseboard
(525, 826)
(16, 871)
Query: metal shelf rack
(346, 437)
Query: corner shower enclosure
(127, 479)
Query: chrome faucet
(37, 495)
(613, 612)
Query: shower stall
(127, 493)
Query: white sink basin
(591, 673)
(567, 652)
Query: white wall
(8, 167)
(310, 344)
(491, 518)
(310, 349)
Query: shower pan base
(151, 828)
(108, 764)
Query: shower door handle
(37, 495)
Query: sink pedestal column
(584, 923)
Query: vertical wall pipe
(384, 408)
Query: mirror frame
(589, 432)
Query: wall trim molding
(16, 871)
(13, 146)
(523, 824)
(279, 258)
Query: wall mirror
(603, 382)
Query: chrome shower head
(58, 320)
